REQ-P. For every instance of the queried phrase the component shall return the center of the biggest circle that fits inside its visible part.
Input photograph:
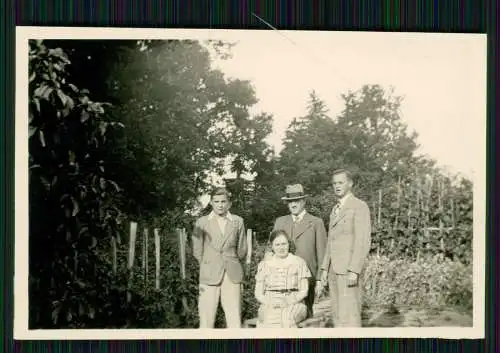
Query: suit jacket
(349, 238)
(309, 237)
(218, 252)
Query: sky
(441, 76)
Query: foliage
(179, 125)
(430, 282)
(71, 200)
(184, 121)
(174, 123)
(370, 139)
(431, 215)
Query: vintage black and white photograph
(262, 183)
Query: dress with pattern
(282, 278)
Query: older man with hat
(307, 232)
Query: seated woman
(281, 285)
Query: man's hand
(352, 279)
(323, 277)
(319, 289)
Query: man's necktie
(336, 209)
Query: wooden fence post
(157, 258)
(452, 206)
(373, 213)
(145, 258)
(440, 187)
(419, 192)
(429, 196)
(114, 250)
(249, 246)
(398, 203)
(131, 256)
(182, 251)
(182, 258)
(379, 206)
(410, 224)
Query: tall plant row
(424, 215)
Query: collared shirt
(298, 218)
(221, 220)
(340, 203)
(343, 200)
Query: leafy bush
(428, 282)
(71, 200)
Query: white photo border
(21, 331)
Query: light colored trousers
(229, 295)
(345, 301)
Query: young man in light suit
(349, 241)
(219, 246)
(308, 234)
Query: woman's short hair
(276, 233)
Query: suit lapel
(302, 226)
(288, 225)
(228, 230)
(335, 219)
(215, 232)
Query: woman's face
(280, 246)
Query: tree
(310, 148)
(71, 199)
(368, 137)
(183, 120)
(376, 141)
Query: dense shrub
(428, 282)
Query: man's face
(296, 206)
(341, 185)
(220, 204)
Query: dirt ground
(404, 317)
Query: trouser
(345, 301)
(309, 299)
(229, 294)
